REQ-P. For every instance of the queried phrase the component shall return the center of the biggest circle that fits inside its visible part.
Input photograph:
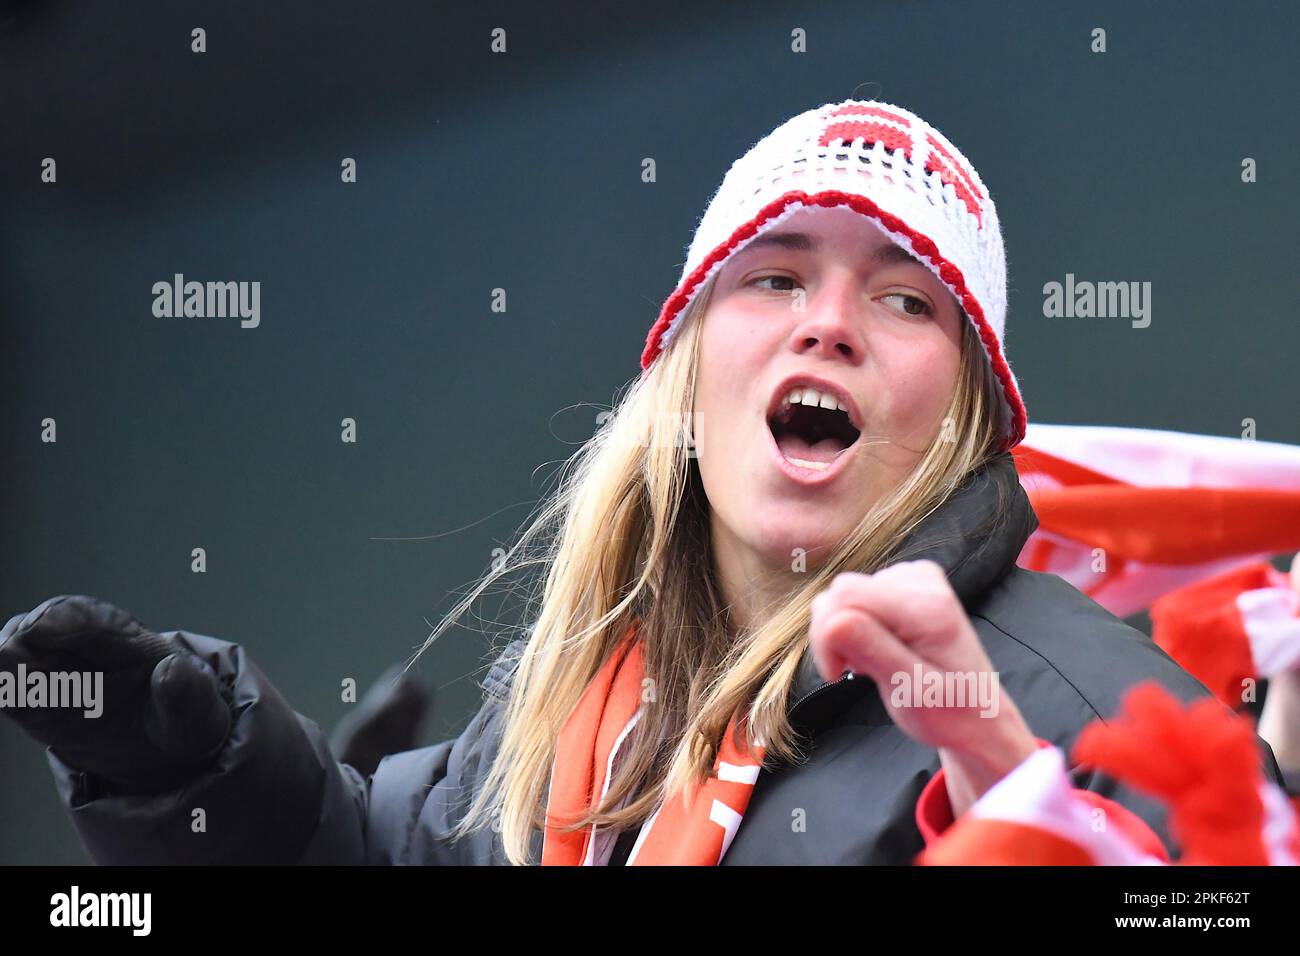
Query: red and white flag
(1129, 514)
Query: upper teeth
(811, 396)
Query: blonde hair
(625, 538)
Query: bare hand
(905, 628)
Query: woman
(800, 639)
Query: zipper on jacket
(848, 676)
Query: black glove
(163, 716)
(386, 721)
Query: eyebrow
(802, 242)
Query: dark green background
(523, 171)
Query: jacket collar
(975, 535)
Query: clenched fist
(906, 629)
(160, 715)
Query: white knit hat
(888, 164)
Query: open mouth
(812, 427)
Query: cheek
(732, 353)
(920, 379)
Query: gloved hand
(386, 721)
(164, 716)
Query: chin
(785, 528)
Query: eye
(779, 278)
(912, 305)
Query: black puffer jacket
(277, 795)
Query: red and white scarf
(1231, 629)
(1198, 759)
(680, 833)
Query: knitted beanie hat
(885, 163)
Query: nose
(831, 327)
